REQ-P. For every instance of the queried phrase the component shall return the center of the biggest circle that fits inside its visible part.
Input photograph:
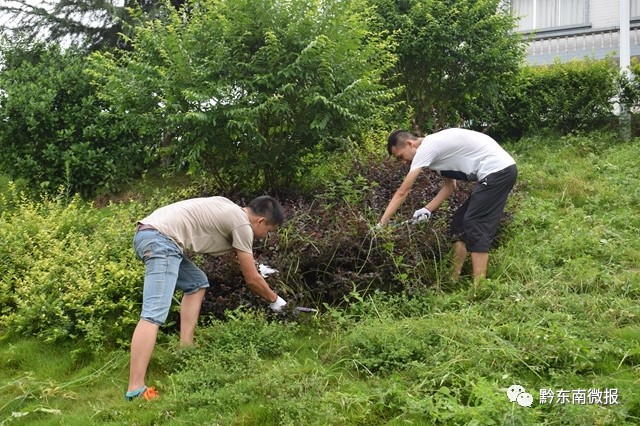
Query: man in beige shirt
(213, 225)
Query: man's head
(266, 215)
(403, 145)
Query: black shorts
(477, 219)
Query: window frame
(585, 23)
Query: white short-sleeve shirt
(461, 154)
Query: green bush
(250, 91)
(561, 98)
(8, 190)
(630, 96)
(68, 272)
(455, 57)
(54, 129)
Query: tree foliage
(55, 131)
(91, 24)
(455, 57)
(252, 91)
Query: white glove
(265, 270)
(421, 215)
(278, 304)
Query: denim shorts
(166, 269)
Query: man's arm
(254, 280)
(448, 188)
(400, 195)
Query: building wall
(599, 41)
(604, 13)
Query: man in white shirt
(212, 225)
(458, 154)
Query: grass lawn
(559, 315)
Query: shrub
(455, 57)
(561, 98)
(55, 130)
(68, 273)
(250, 91)
(9, 188)
(630, 94)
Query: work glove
(421, 215)
(265, 270)
(278, 304)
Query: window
(635, 8)
(544, 14)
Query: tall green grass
(559, 311)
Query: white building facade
(570, 29)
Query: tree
(55, 131)
(91, 24)
(253, 92)
(454, 57)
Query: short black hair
(398, 137)
(269, 208)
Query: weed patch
(327, 249)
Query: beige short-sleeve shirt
(211, 225)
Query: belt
(142, 227)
